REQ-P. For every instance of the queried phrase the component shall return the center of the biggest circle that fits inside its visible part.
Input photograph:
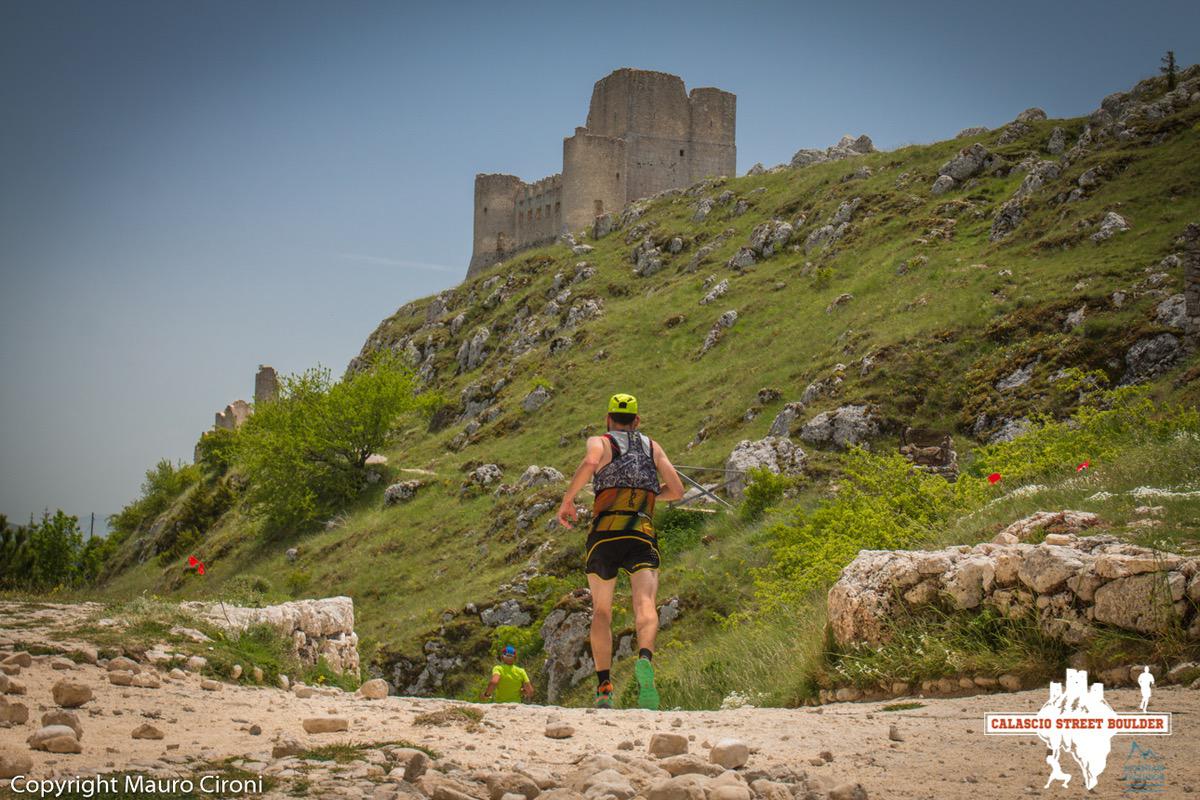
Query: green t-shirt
(512, 678)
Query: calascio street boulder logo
(1077, 721)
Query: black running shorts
(610, 551)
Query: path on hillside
(942, 754)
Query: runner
(624, 466)
(509, 681)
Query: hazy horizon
(190, 190)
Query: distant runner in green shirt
(509, 681)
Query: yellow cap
(622, 404)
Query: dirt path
(942, 753)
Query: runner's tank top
(626, 487)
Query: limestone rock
(1172, 312)
(667, 744)
(120, 678)
(773, 453)
(13, 763)
(146, 731)
(1007, 219)
(782, 424)
(730, 753)
(55, 739)
(508, 612)
(123, 663)
(71, 694)
(1112, 224)
(374, 689)
(326, 724)
(942, 184)
(400, 492)
(68, 718)
(558, 730)
(1141, 603)
(690, 764)
(683, 787)
(1150, 356)
(287, 747)
(535, 476)
(210, 685)
(844, 427)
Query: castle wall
(594, 174)
(645, 134)
(495, 220)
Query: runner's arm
(491, 687)
(587, 468)
(666, 469)
(527, 690)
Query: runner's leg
(644, 584)
(602, 601)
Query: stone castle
(645, 133)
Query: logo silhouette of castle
(645, 133)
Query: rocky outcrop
(317, 628)
(724, 322)
(1070, 584)
(847, 147)
(565, 634)
(844, 427)
(774, 453)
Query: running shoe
(647, 694)
(604, 695)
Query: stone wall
(318, 628)
(1071, 584)
(233, 416)
(644, 134)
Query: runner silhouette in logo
(1145, 680)
(1089, 748)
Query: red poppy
(192, 561)
(1087, 463)
(200, 568)
(994, 478)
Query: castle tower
(645, 133)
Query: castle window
(681, 153)
(618, 176)
(558, 208)
(485, 209)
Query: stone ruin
(266, 389)
(930, 451)
(233, 416)
(1071, 584)
(318, 628)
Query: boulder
(1007, 218)
(71, 694)
(287, 747)
(20, 659)
(969, 162)
(374, 689)
(13, 713)
(773, 453)
(782, 424)
(690, 764)
(13, 763)
(55, 739)
(1142, 603)
(400, 492)
(146, 731)
(510, 783)
(667, 744)
(844, 427)
(1031, 115)
(414, 762)
(68, 718)
(120, 678)
(1150, 356)
(682, 787)
(535, 399)
(326, 724)
(508, 612)
(942, 184)
(730, 753)
(127, 664)
(535, 476)
(1112, 224)
(558, 730)
(1172, 312)
(210, 685)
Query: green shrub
(324, 675)
(882, 503)
(163, 484)
(765, 489)
(261, 646)
(528, 641)
(678, 530)
(251, 591)
(297, 581)
(305, 455)
(822, 277)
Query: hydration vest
(632, 465)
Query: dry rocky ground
(837, 751)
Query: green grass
(910, 706)
(345, 752)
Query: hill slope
(955, 309)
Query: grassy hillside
(938, 315)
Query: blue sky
(190, 189)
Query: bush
(251, 591)
(678, 529)
(765, 489)
(304, 455)
(528, 641)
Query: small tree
(55, 546)
(305, 455)
(1168, 69)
